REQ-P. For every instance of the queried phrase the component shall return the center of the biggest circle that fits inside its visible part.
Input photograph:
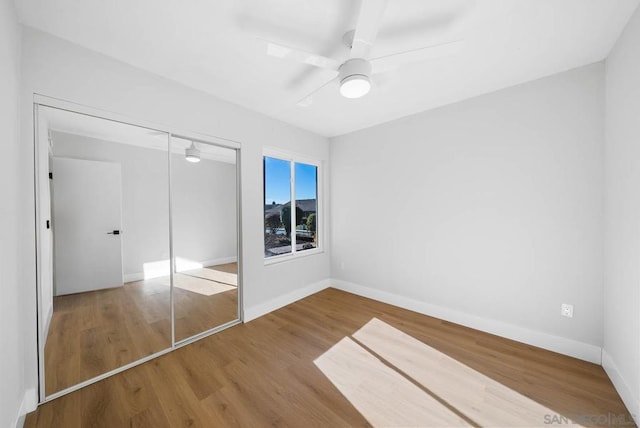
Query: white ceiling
(211, 45)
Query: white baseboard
(561, 345)
(264, 308)
(131, 277)
(29, 404)
(139, 276)
(220, 261)
(632, 402)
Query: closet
(138, 245)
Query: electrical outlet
(567, 310)
(342, 265)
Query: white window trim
(294, 158)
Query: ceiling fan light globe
(355, 86)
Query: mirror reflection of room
(204, 217)
(105, 289)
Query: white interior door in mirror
(87, 206)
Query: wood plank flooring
(336, 359)
(95, 332)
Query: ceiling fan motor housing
(355, 67)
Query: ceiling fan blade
(308, 99)
(389, 62)
(367, 28)
(285, 52)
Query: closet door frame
(172, 132)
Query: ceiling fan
(355, 73)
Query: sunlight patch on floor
(394, 379)
(213, 275)
(198, 285)
(381, 395)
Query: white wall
(12, 387)
(621, 353)
(487, 212)
(60, 69)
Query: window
(290, 206)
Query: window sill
(290, 257)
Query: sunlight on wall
(394, 379)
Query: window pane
(306, 206)
(277, 207)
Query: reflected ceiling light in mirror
(192, 154)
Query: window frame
(294, 158)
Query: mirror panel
(205, 236)
(107, 248)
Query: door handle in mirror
(115, 232)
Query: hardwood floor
(94, 332)
(335, 359)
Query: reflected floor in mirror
(94, 332)
(205, 298)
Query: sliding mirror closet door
(103, 231)
(205, 236)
